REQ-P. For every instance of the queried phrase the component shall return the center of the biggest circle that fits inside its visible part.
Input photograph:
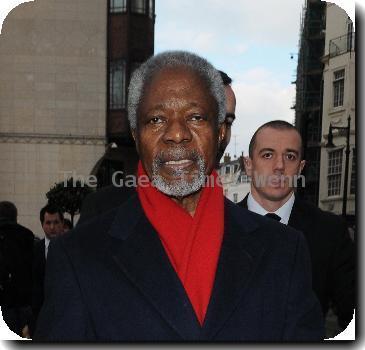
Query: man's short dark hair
(225, 77)
(275, 124)
(50, 209)
(8, 211)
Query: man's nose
(279, 163)
(177, 131)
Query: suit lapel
(139, 254)
(298, 217)
(238, 260)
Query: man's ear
(222, 133)
(301, 166)
(248, 165)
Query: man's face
(52, 225)
(230, 112)
(230, 117)
(177, 133)
(276, 159)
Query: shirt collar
(284, 211)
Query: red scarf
(192, 243)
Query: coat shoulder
(319, 216)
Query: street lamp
(330, 144)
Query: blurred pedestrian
(16, 250)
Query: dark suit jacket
(111, 280)
(39, 265)
(332, 255)
(102, 200)
(17, 250)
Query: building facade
(64, 70)
(130, 42)
(338, 105)
(236, 184)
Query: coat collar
(139, 254)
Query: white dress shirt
(46, 244)
(284, 211)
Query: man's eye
(291, 156)
(196, 118)
(155, 120)
(267, 155)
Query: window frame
(139, 10)
(334, 172)
(338, 85)
(115, 65)
(113, 8)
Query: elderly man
(178, 262)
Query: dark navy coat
(111, 280)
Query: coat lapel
(238, 260)
(139, 254)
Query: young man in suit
(274, 164)
(178, 262)
(51, 219)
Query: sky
(252, 41)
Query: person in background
(230, 114)
(274, 163)
(52, 221)
(16, 251)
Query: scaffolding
(309, 89)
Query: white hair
(172, 59)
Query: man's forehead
(54, 216)
(278, 139)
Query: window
(228, 170)
(244, 178)
(235, 197)
(118, 6)
(139, 6)
(353, 173)
(338, 87)
(117, 84)
(334, 172)
(235, 168)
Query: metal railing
(342, 44)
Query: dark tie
(273, 216)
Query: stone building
(236, 183)
(64, 69)
(338, 105)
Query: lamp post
(330, 144)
